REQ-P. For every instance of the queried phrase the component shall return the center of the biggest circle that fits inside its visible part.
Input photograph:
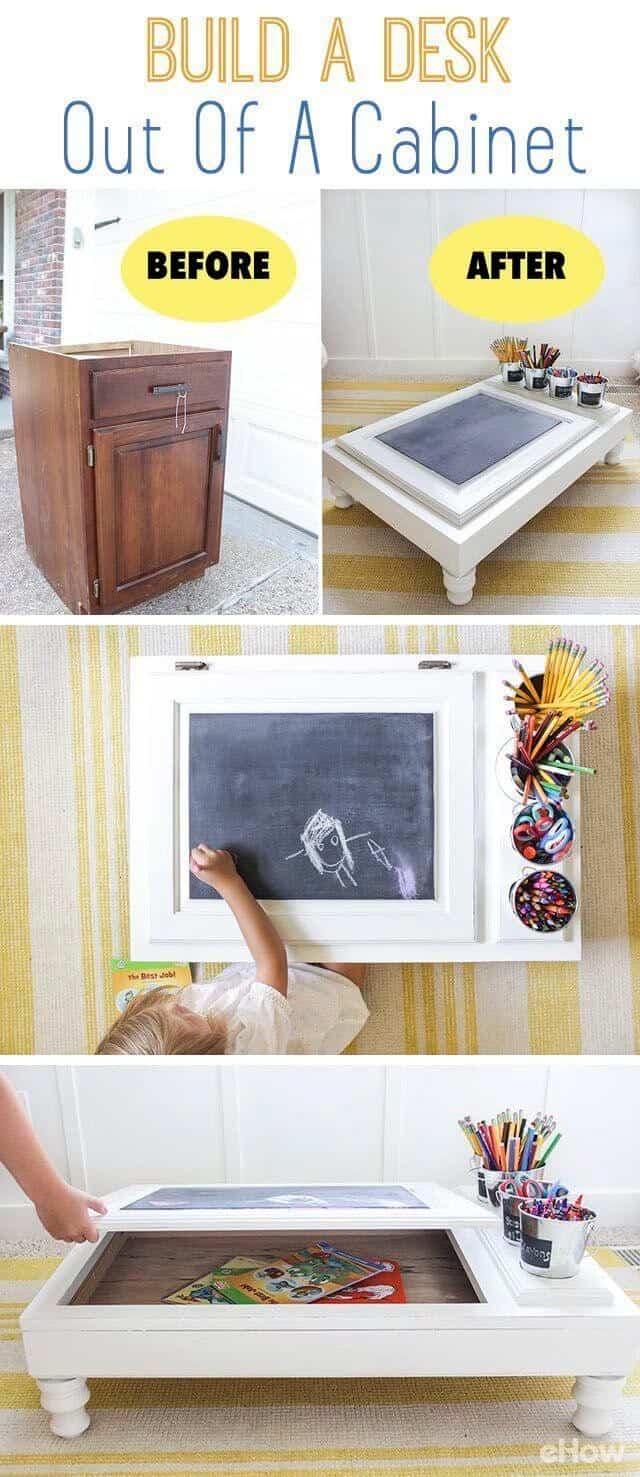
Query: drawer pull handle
(169, 389)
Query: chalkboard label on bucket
(534, 1251)
(317, 805)
(511, 1219)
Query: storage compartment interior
(145, 1267)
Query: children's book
(130, 978)
(203, 1290)
(301, 1277)
(386, 1287)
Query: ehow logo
(581, 1453)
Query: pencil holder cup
(543, 901)
(493, 1179)
(542, 833)
(512, 374)
(554, 1248)
(486, 1182)
(478, 1173)
(591, 393)
(550, 783)
(561, 383)
(535, 379)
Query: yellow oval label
(208, 269)
(516, 269)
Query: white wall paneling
(380, 315)
(39, 1092)
(106, 1125)
(273, 459)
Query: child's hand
(66, 1215)
(213, 867)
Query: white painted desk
(359, 469)
(101, 1313)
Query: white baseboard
(372, 369)
(615, 1207)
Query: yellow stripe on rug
(19, 1391)
(17, 987)
(421, 575)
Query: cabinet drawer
(151, 389)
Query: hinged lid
(289, 1207)
(462, 452)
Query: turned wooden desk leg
(65, 1402)
(340, 498)
(597, 1398)
(614, 457)
(459, 587)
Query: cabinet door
(247, 754)
(158, 505)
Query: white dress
(321, 1014)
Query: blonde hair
(147, 1028)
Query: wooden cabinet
(121, 453)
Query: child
(63, 1211)
(268, 1006)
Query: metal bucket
(553, 1248)
(512, 374)
(592, 394)
(493, 1178)
(511, 1207)
(487, 1181)
(561, 385)
(535, 379)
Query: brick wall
(39, 263)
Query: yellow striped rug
(580, 555)
(63, 854)
(174, 1428)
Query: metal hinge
(433, 666)
(91, 456)
(96, 589)
(220, 445)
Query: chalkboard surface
(279, 1197)
(464, 439)
(316, 805)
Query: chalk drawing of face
(326, 844)
(327, 848)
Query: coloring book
(386, 1287)
(303, 1276)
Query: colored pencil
(509, 1142)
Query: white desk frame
(556, 1336)
(459, 550)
